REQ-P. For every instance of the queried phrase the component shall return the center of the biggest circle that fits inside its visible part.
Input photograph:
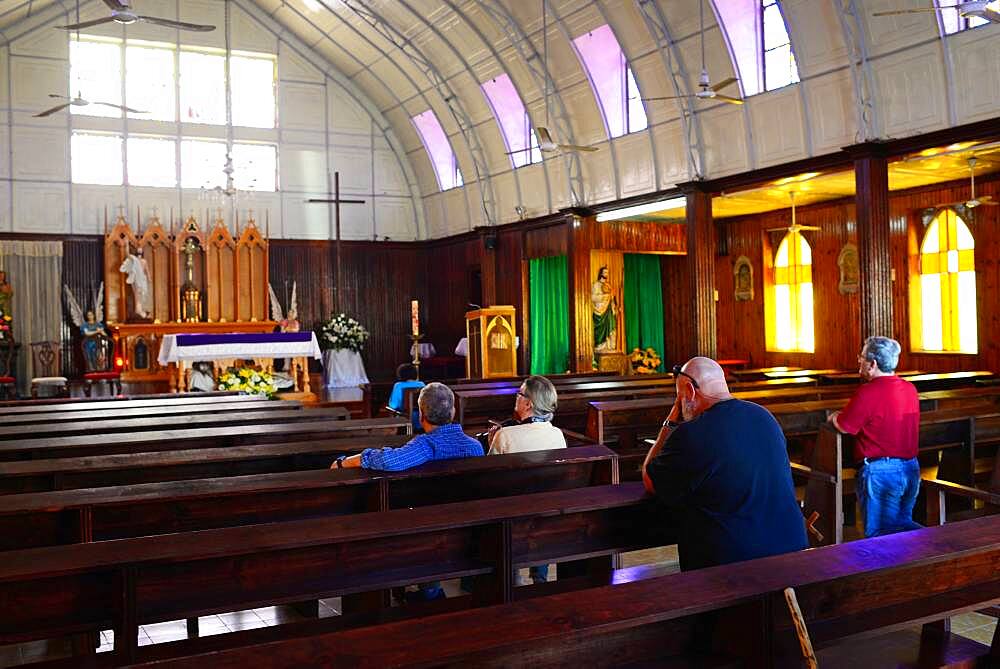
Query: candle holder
(416, 351)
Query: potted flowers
(644, 361)
(341, 332)
(342, 339)
(248, 380)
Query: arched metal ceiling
(860, 79)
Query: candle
(415, 317)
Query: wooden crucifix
(336, 202)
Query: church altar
(178, 278)
(178, 351)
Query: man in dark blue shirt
(442, 439)
(721, 465)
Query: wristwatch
(340, 461)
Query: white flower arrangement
(247, 380)
(341, 331)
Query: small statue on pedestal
(286, 323)
(137, 276)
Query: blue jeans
(887, 490)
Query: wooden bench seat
(200, 437)
(121, 584)
(116, 512)
(179, 410)
(183, 464)
(111, 403)
(246, 415)
(847, 595)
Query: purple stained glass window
(513, 120)
(439, 149)
(612, 81)
(758, 42)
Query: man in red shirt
(884, 417)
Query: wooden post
(701, 339)
(337, 302)
(871, 178)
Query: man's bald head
(711, 388)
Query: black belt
(865, 461)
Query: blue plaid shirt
(446, 442)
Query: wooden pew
(113, 403)
(188, 438)
(272, 414)
(859, 601)
(949, 440)
(180, 410)
(122, 584)
(116, 512)
(184, 464)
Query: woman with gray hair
(534, 407)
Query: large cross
(336, 202)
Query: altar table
(181, 350)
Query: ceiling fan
(978, 9)
(974, 201)
(78, 101)
(794, 227)
(708, 90)
(121, 12)
(546, 142)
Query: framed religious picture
(743, 279)
(850, 270)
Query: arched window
(757, 37)
(612, 81)
(438, 149)
(513, 120)
(943, 303)
(789, 297)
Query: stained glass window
(612, 80)
(438, 149)
(789, 303)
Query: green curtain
(549, 317)
(643, 303)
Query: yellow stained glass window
(943, 299)
(789, 298)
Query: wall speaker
(490, 242)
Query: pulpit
(492, 343)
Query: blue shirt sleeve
(396, 398)
(415, 453)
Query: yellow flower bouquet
(644, 361)
(248, 380)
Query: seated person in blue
(406, 377)
(442, 440)
(720, 465)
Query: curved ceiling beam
(503, 66)
(451, 98)
(866, 111)
(333, 73)
(544, 81)
(388, 89)
(657, 25)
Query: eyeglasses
(677, 372)
(520, 394)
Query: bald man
(721, 466)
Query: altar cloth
(187, 347)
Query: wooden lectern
(492, 344)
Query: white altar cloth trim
(171, 352)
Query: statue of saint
(137, 276)
(605, 313)
(290, 323)
(6, 294)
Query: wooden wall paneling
(551, 240)
(448, 270)
(676, 309)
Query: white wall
(325, 124)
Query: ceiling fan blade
(61, 97)
(920, 10)
(576, 147)
(86, 24)
(180, 25)
(808, 227)
(777, 229)
(730, 100)
(725, 82)
(122, 107)
(117, 5)
(50, 112)
(668, 97)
